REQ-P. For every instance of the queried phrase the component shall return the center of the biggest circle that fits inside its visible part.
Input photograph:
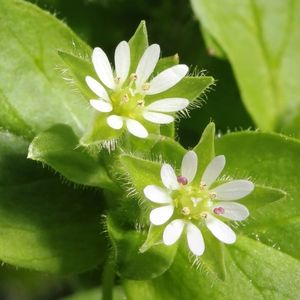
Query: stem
(108, 278)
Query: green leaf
(96, 294)
(133, 166)
(259, 264)
(212, 46)
(79, 68)
(45, 225)
(205, 149)
(138, 44)
(156, 147)
(254, 271)
(154, 237)
(59, 148)
(271, 160)
(260, 197)
(131, 262)
(265, 61)
(169, 150)
(33, 93)
(166, 62)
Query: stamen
(202, 185)
(212, 195)
(146, 86)
(141, 103)
(133, 77)
(125, 98)
(117, 80)
(219, 210)
(203, 215)
(185, 211)
(182, 180)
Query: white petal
(161, 215)
(168, 105)
(233, 211)
(213, 170)
(220, 230)
(122, 61)
(136, 128)
(101, 105)
(173, 232)
(169, 177)
(166, 79)
(157, 118)
(195, 239)
(189, 166)
(115, 122)
(147, 64)
(234, 190)
(157, 194)
(97, 88)
(103, 68)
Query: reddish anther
(219, 210)
(182, 180)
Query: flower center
(193, 202)
(126, 102)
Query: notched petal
(161, 215)
(173, 232)
(169, 177)
(156, 194)
(234, 190)
(220, 230)
(167, 79)
(189, 165)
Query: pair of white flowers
(190, 204)
(122, 95)
(185, 204)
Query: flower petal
(136, 128)
(169, 177)
(161, 215)
(233, 211)
(234, 190)
(156, 194)
(147, 64)
(189, 166)
(166, 79)
(101, 105)
(173, 232)
(220, 230)
(157, 118)
(213, 170)
(168, 105)
(195, 239)
(103, 68)
(97, 88)
(122, 61)
(115, 122)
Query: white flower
(194, 204)
(123, 95)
